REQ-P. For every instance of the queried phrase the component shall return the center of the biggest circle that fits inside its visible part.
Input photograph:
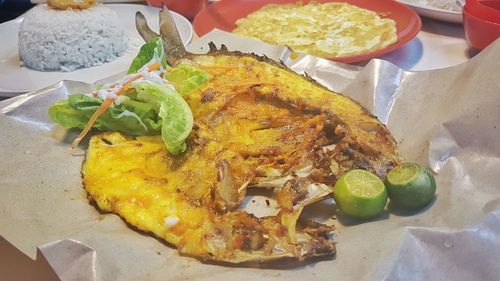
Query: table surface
(438, 45)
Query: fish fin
(142, 27)
(172, 43)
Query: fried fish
(256, 125)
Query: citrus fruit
(410, 186)
(360, 194)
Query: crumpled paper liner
(446, 119)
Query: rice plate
(66, 40)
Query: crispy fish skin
(135, 179)
(256, 124)
(358, 139)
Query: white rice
(449, 5)
(65, 40)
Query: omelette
(322, 29)
(256, 125)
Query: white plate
(426, 10)
(15, 79)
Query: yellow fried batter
(256, 125)
(71, 4)
(325, 30)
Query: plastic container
(187, 8)
(479, 32)
(485, 9)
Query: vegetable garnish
(128, 115)
(151, 51)
(147, 101)
(108, 102)
(186, 78)
(175, 113)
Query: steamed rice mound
(66, 40)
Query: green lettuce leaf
(154, 107)
(150, 50)
(176, 115)
(186, 78)
(130, 117)
(63, 114)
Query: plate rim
(435, 13)
(430, 8)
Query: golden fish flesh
(256, 125)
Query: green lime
(410, 186)
(360, 193)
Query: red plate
(223, 15)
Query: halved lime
(410, 186)
(360, 193)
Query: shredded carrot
(112, 85)
(107, 103)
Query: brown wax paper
(447, 119)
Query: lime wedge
(360, 194)
(410, 186)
